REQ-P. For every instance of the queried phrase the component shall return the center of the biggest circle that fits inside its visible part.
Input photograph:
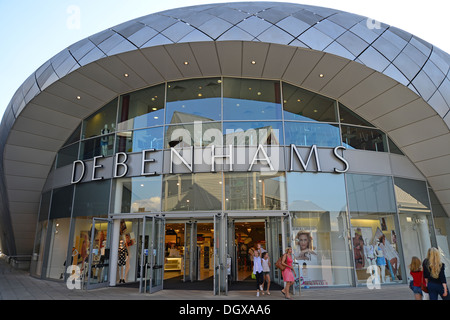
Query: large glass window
(102, 122)
(41, 234)
(303, 105)
(308, 134)
(141, 109)
(189, 192)
(253, 133)
(199, 134)
(251, 99)
(349, 117)
(415, 218)
(138, 140)
(138, 194)
(374, 228)
(67, 155)
(255, 191)
(364, 138)
(193, 100)
(92, 199)
(81, 241)
(101, 146)
(59, 223)
(319, 226)
(442, 227)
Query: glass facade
(344, 228)
(220, 111)
(374, 228)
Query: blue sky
(33, 31)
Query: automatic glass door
(97, 275)
(190, 252)
(152, 255)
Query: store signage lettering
(121, 168)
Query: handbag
(279, 264)
(253, 276)
(424, 285)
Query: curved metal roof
(390, 77)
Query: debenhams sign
(265, 159)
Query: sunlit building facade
(162, 150)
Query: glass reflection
(308, 134)
(303, 105)
(41, 235)
(415, 217)
(188, 192)
(102, 122)
(102, 146)
(318, 226)
(67, 155)
(138, 194)
(193, 100)
(349, 117)
(138, 140)
(255, 191)
(253, 133)
(374, 229)
(198, 134)
(250, 99)
(442, 227)
(141, 109)
(59, 223)
(364, 139)
(92, 199)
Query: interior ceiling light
(126, 75)
(78, 98)
(253, 62)
(321, 75)
(186, 63)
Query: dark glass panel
(303, 105)
(248, 99)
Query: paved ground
(19, 285)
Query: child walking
(415, 269)
(266, 270)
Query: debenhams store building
(160, 151)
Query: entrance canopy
(389, 77)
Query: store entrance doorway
(189, 255)
(271, 233)
(248, 235)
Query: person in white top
(258, 271)
(266, 270)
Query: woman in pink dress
(288, 273)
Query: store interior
(247, 236)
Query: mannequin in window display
(369, 253)
(391, 256)
(104, 140)
(123, 257)
(129, 242)
(381, 261)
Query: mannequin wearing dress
(123, 256)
